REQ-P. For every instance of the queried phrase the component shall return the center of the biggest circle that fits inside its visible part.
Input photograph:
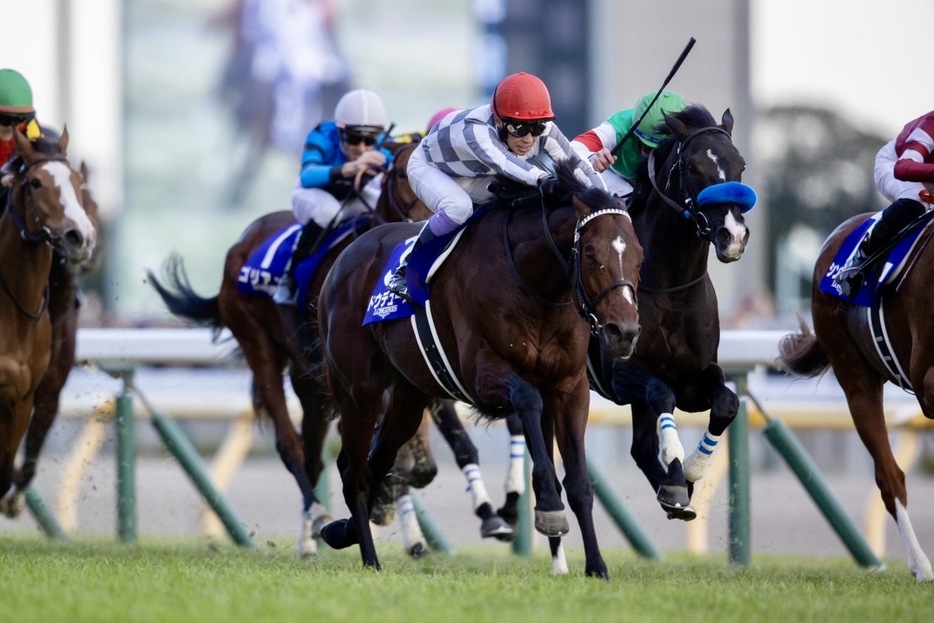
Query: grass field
(186, 581)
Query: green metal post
(523, 543)
(739, 480)
(43, 515)
(126, 462)
(624, 520)
(183, 450)
(429, 528)
(784, 441)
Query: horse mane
(511, 194)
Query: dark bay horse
(254, 322)
(63, 314)
(893, 340)
(507, 308)
(675, 362)
(44, 214)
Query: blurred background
(191, 113)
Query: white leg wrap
(305, 546)
(515, 476)
(918, 563)
(696, 465)
(475, 485)
(668, 442)
(559, 563)
(408, 521)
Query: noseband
(689, 208)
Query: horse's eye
(590, 255)
(35, 183)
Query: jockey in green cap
(15, 111)
(617, 159)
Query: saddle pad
(261, 273)
(875, 278)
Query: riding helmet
(361, 110)
(523, 97)
(651, 129)
(15, 95)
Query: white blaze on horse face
(720, 172)
(72, 209)
(737, 235)
(619, 245)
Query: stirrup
(397, 283)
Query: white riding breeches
(320, 206)
(454, 196)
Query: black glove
(550, 188)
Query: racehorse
(254, 322)
(43, 214)
(63, 314)
(505, 314)
(891, 339)
(688, 198)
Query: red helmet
(523, 97)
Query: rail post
(621, 516)
(738, 442)
(43, 515)
(126, 460)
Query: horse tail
(801, 354)
(180, 297)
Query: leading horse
(688, 199)
(506, 310)
(44, 213)
(891, 340)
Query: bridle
(391, 188)
(572, 268)
(688, 207)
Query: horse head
(606, 258)
(46, 198)
(699, 155)
(397, 201)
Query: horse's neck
(24, 266)
(674, 254)
(536, 259)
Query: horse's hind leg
(869, 418)
(515, 475)
(465, 453)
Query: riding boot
(307, 242)
(397, 283)
(850, 276)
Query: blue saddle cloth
(876, 277)
(385, 305)
(264, 269)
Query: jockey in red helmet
(452, 166)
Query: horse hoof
(673, 496)
(383, 514)
(685, 513)
(497, 528)
(552, 523)
(339, 534)
(319, 522)
(419, 550)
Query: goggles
(355, 138)
(524, 128)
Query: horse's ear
(678, 129)
(726, 122)
(63, 141)
(23, 145)
(580, 208)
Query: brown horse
(688, 199)
(889, 341)
(268, 350)
(44, 213)
(63, 314)
(507, 308)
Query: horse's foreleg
(559, 562)
(569, 411)
(413, 539)
(674, 492)
(724, 405)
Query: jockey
(618, 159)
(464, 150)
(904, 173)
(16, 110)
(340, 178)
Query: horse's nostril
(73, 239)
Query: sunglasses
(517, 129)
(355, 138)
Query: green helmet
(648, 129)
(15, 94)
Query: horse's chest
(17, 378)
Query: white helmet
(361, 109)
